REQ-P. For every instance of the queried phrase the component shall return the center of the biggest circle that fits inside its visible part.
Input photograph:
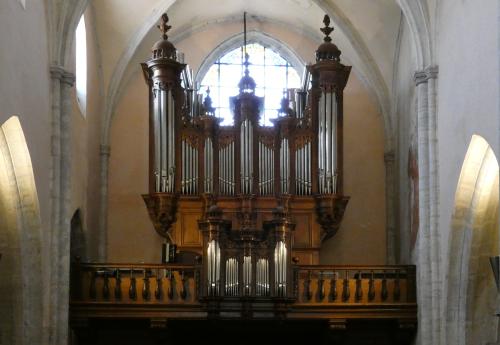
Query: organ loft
(243, 210)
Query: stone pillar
(103, 204)
(428, 257)
(62, 82)
(391, 235)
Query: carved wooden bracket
(162, 209)
(330, 211)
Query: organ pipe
(189, 181)
(266, 169)
(327, 117)
(303, 170)
(213, 267)
(226, 169)
(247, 274)
(232, 284)
(246, 140)
(208, 165)
(280, 267)
(285, 166)
(262, 273)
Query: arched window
(81, 65)
(271, 72)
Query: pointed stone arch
(20, 241)
(474, 237)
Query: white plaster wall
(468, 91)
(86, 134)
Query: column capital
(422, 76)
(389, 157)
(104, 150)
(63, 75)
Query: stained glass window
(271, 72)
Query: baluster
(371, 288)
(146, 293)
(307, 288)
(397, 287)
(132, 291)
(118, 286)
(296, 279)
(359, 290)
(321, 287)
(158, 290)
(170, 291)
(384, 293)
(183, 284)
(92, 288)
(333, 287)
(346, 293)
(197, 283)
(105, 287)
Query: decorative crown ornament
(163, 26)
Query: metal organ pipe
(164, 109)
(262, 283)
(231, 286)
(157, 126)
(226, 169)
(266, 169)
(327, 143)
(303, 169)
(213, 267)
(189, 168)
(280, 253)
(308, 168)
(171, 137)
(334, 141)
(164, 128)
(246, 156)
(284, 165)
(247, 274)
(208, 165)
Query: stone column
(62, 82)
(103, 204)
(428, 259)
(391, 236)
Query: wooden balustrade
(134, 283)
(355, 284)
(174, 291)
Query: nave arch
(474, 238)
(20, 241)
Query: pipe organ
(235, 194)
(248, 208)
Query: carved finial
(207, 103)
(164, 27)
(327, 30)
(246, 63)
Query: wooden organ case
(253, 203)
(248, 171)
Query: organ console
(252, 202)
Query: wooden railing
(175, 291)
(134, 284)
(355, 284)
